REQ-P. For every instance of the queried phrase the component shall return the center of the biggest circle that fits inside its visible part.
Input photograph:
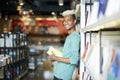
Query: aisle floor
(39, 74)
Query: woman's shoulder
(75, 35)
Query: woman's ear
(74, 22)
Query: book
(85, 50)
(54, 51)
(114, 66)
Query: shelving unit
(46, 39)
(105, 23)
(13, 47)
(103, 37)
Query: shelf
(94, 76)
(18, 47)
(46, 35)
(112, 22)
(20, 76)
(88, 69)
(14, 45)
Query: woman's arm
(60, 59)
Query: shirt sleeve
(75, 45)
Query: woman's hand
(52, 57)
(59, 59)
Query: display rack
(107, 33)
(13, 49)
(104, 23)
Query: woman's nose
(65, 23)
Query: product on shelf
(13, 57)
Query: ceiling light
(61, 2)
(25, 12)
(21, 2)
(53, 13)
(6, 17)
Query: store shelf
(88, 69)
(105, 23)
(20, 76)
(98, 64)
(20, 47)
(14, 50)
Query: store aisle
(40, 73)
(34, 74)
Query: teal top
(70, 50)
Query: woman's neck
(71, 31)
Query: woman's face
(68, 22)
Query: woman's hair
(73, 15)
